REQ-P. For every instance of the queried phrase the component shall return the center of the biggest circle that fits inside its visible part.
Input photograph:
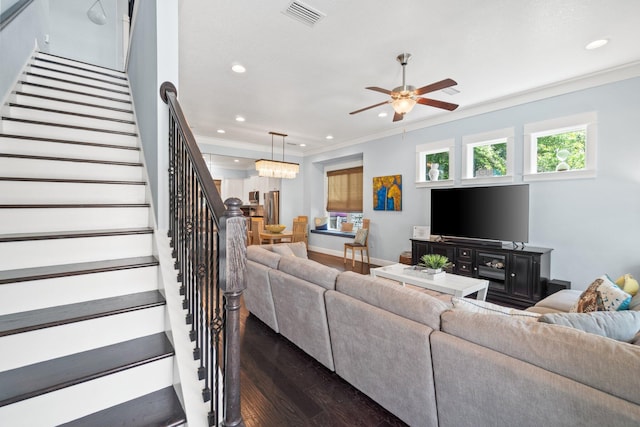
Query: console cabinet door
(521, 276)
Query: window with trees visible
(344, 197)
(488, 156)
(561, 148)
(435, 163)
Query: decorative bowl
(275, 228)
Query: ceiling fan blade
(397, 117)
(369, 107)
(436, 103)
(379, 89)
(435, 86)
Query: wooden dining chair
(257, 225)
(360, 243)
(300, 232)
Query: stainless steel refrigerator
(272, 207)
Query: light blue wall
(143, 77)
(593, 225)
(18, 40)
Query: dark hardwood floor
(283, 386)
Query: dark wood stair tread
(26, 321)
(158, 409)
(62, 270)
(70, 113)
(76, 92)
(66, 126)
(67, 141)
(70, 181)
(69, 159)
(69, 101)
(44, 377)
(82, 76)
(51, 58)
(73, 234)
(58, 79)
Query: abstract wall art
(387, 193)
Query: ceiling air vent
(303, 13)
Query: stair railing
(209, 246)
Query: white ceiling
(304, 80)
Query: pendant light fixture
(274, 168)
(97, 14)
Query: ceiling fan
(404, 97)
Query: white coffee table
(451, 284)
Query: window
(344, 197)
(488, 157)
(435, 163)
(561, 148)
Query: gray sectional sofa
(433, 365)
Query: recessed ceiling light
(303, 145)
(240, 119)
(383, 114)
(238, 68)
(236, 160)
(329, 137)
(221, 131)
(596, 44)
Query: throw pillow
(476, 306)
(619, 325)
(361, 236)
(628, 284)
(282, 249)
(299, 249)
(322, 223)
(602, 295)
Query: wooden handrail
(209, 245)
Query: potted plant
(434, 263)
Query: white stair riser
(47, 131)
(76, 87)
(73, 402)
(68, 119)
(74, 151)
(35, 220)
(88, 68)
(34, 168)
(27, 254)
(71, 107)
(17, 192)
(55, 93)
(37, 294)
(49, 343)
(95, 80)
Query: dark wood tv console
(517, 276)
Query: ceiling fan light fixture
(403, 105)
(275, 168)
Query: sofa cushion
(299, 249)
(634, 304)
(596, 361)
(257, 296)
(282, 249)
(263, 256)
(310, 271)
(393, 297)
(602, 295)
(619, 325)
(560, 301)
(484, 307)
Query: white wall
(593, 225)
(73, 35)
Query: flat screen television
(497, 213)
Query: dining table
(276, 237)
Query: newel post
(232, 283)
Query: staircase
(82, 320)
